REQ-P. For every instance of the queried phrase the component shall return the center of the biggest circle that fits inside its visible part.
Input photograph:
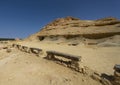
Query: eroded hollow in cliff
(41, 38)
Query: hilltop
(85, 31)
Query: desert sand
(19, 68)
(101, 59)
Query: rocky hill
(68, 28)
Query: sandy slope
(101, 59)
(20, 68)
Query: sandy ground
(19, 68)
(101, 59)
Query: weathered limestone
(70, 61)
(36, 51)
(73, 60)
(116, 75)
(26, 49)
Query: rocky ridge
(73, 28)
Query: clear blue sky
(21, 18)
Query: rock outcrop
(70, 28)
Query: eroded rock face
(116, 75)
(72, 20)
(72, 27)
(60, 21)
(101, 79)
(108, 79)
(107, 19)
